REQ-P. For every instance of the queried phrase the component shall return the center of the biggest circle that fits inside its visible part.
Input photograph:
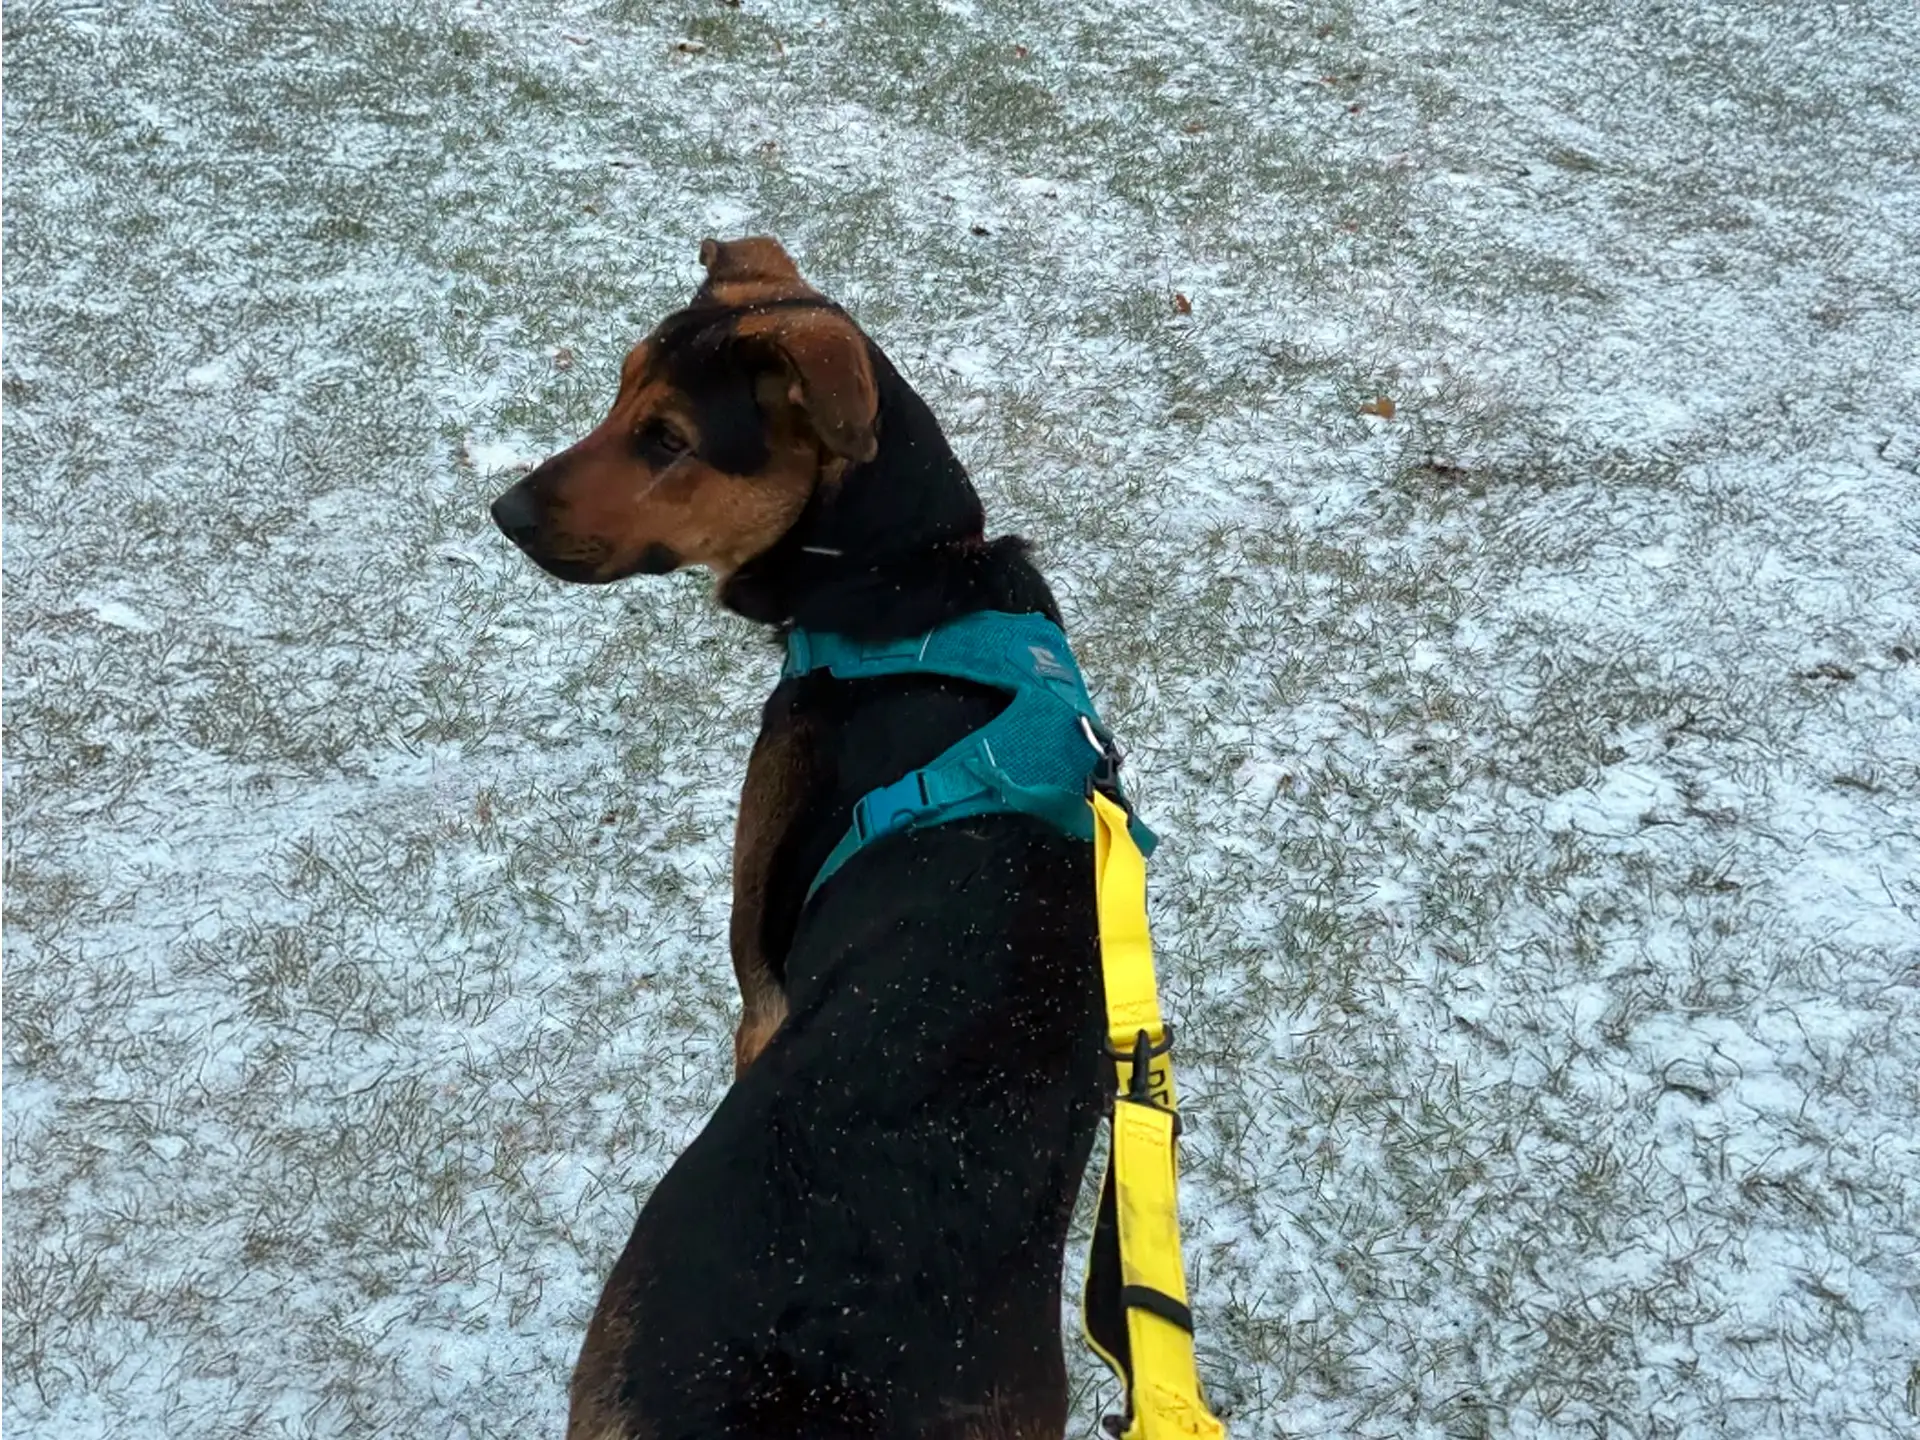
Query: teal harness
(1040, 756)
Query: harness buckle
(891, 807)
(1140, 1086)
(799, 654)
(1105, 776)
(1143, 1048)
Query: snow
(1538, 769)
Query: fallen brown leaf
(1380, 405)
(1181, 304)
(1829, 670)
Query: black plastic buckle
(1141, 1057)
(1143, 1052)
(1105, 775)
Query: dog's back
(872, 1222)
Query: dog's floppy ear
(829, 375)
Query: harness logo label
(1046, 663)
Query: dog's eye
(661, 438)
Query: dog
(866, 1239)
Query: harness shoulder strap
(1034, 758)
(991, 647)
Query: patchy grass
(1537, 765)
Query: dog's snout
(518, 514)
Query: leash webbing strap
(1135, 1311)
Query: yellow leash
(1135, 1309)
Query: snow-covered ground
(1538, 765)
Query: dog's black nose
(517, 513)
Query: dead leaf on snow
(1829, 670)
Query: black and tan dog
(866, 1239)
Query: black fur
(866, 1239)
(896, 547)
(701, 361)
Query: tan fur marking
(593, 1409)
(613, 505)
(752, 272)
(832, 377)
(776, 781)
(755, 259)
(753, 1033)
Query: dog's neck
(896, 547)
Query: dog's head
(730, 416)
